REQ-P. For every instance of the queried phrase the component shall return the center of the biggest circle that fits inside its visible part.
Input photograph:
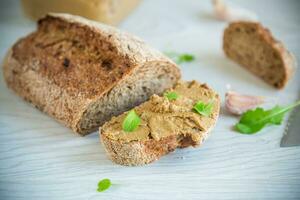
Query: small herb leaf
(171, 95)
(203, 108)
(253, 121)
(180, 58)
(103, 185)
(131, 122)
(185, 58)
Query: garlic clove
(237, 103)
(225, 13)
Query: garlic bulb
(237, 103)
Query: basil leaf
(131, 122)
(203, 108)
(185, 58)
(103, 185)
(171, 95)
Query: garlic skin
(229, 14)
(237, 103)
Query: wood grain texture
(41, 159)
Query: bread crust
(140, 153)
(264, 34)
(55, 86)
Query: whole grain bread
(154, 137)
(82, 72)
(253, 47)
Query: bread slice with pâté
(252, 46)
(183, 117)
(83, 72)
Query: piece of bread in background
(166, 124)
(106, 11)
(82, 72)
(253, 47)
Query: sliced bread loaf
(253, 47)
(82, 72)
(166, 124)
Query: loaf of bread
(166, 124)
(82, 72)
(253, 47)
(105, 11)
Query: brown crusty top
(80, 56)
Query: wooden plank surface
(41, 159)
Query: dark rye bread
(253, 47)
(161, 130)
(82, 72)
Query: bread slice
(253, 47)
(82, 72)
(165, 125)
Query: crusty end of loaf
(82, 72)
(253, 47)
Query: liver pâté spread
(161, 117)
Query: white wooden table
(41, 159)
